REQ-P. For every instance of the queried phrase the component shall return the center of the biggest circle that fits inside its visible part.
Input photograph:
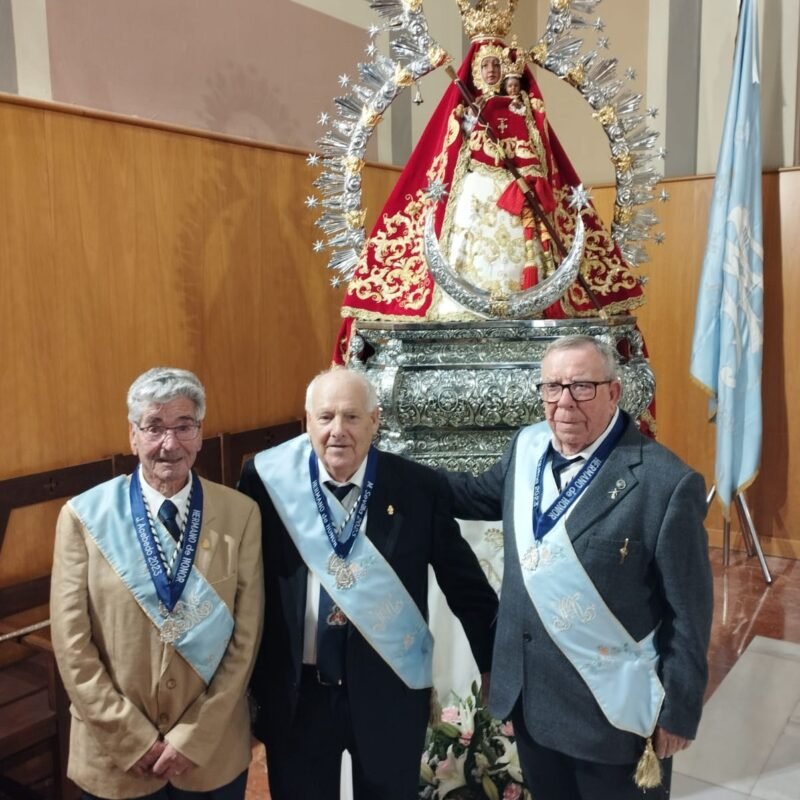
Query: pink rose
(513, 791)
(450, 714)
(507, 729)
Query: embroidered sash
(619, 671)
(200, 625)
(372, 597)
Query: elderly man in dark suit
(606, 603)
(345, 662)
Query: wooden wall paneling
(126, 246)
(775, 496)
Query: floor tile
(746, 717)
(780, 778)
(684, 788)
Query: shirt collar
(154, 498)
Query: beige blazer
(127, 687)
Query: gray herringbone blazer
(664, 581)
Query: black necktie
(168, 514)
(340, 492)
(559, 464)
(331, 622)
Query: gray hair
(578, 341)
(161, 385)
(370, 395)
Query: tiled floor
(744, 607)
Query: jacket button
(172, 683)
(526, 637)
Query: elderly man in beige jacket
(156, 607)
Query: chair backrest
(238, 447)
(66, 482)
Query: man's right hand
(144, 765)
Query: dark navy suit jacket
(409, 520)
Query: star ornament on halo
(324, 117)
(318, 246)
(311, 201)
(436, 191)
(579, 197)
(312, 159)
(344, 80)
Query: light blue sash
(200, 625)
(619, 671)
(373, 598)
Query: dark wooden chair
(238, 447)
(34, 709)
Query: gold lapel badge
(390, 510)
(623, 551)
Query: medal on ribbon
(342, 540)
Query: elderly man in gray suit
(606, 603)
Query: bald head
(342, 419)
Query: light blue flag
(728, 332)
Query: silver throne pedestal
(453, 394)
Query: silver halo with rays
(522, 304)
(413, 54)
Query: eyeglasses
(580, 391)
(185, 432)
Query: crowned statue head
(486, 24)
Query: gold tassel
(648, 770)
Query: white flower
(450, 773)
(510, 758)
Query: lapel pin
(623, 551)
(620, 485)
(390, 510)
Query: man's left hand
(171, 763)
(666, 744)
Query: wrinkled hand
(143, 765)
(486, 680)
(666, 744)
(171, 763)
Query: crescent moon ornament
(516, 305)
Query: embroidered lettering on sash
(571, 609)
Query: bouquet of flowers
(470, 756)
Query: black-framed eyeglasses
(580, 391)
(185, 432)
